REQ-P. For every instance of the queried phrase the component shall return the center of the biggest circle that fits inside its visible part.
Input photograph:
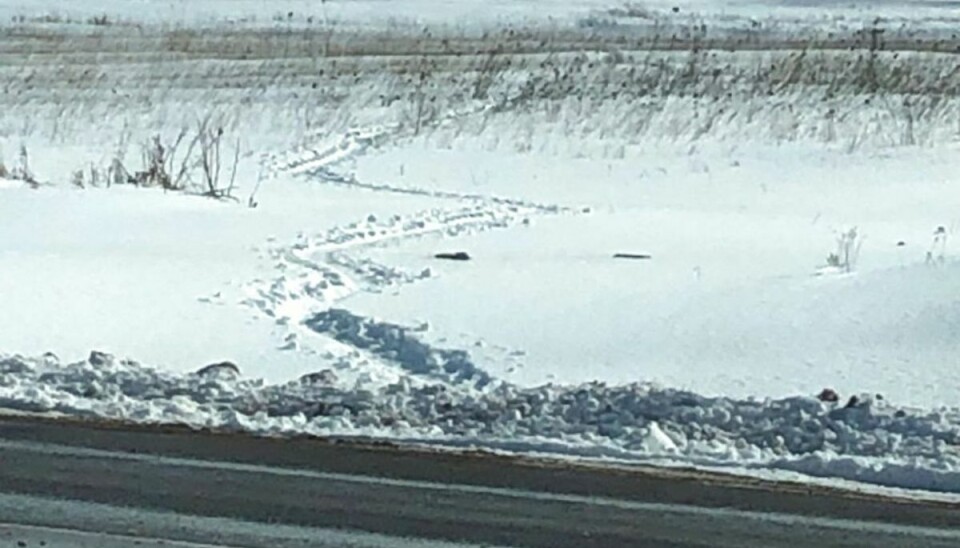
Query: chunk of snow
(872, 442)
(657, 441)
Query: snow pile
(442, 398)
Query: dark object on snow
(216, 368)
(99, 358)
(327, 376)
(829, 395)
(901, 243)
(878, 397)
(900, 413)
(458, 256)
(852, 402)
(631, 256)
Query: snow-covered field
(734, 300)
(538, 141)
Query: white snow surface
(734, 301)
(157, 276)
(94, 267)
(341, 322)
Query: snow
(732, 286)
(156, 276)
(870, 440)
(324, 309)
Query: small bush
(938, 249)
(77, 179)
(155, 171)
(848, 250)
(197, 169)
(210, 138)
(21, 172)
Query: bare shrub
(210, 154)
(77, 179)
(938, 249)
(420, 109)
(171, 166)
(490, 70)
(154, 172)
(117, 173)
(21, 171)
(848, 250)
(95, 176)
(210, 140)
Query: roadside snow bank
(867, 440)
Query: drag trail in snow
(319, 270)
(735, 300)
(731, 149)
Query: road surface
(69, 483)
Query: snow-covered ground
(734, 299)
(734, 174)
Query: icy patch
(866, 440)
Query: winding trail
(319, 270)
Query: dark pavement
(63, 481)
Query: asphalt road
(76, 484)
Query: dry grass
(290, 84)
(100, 35)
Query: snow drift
(443, 399)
